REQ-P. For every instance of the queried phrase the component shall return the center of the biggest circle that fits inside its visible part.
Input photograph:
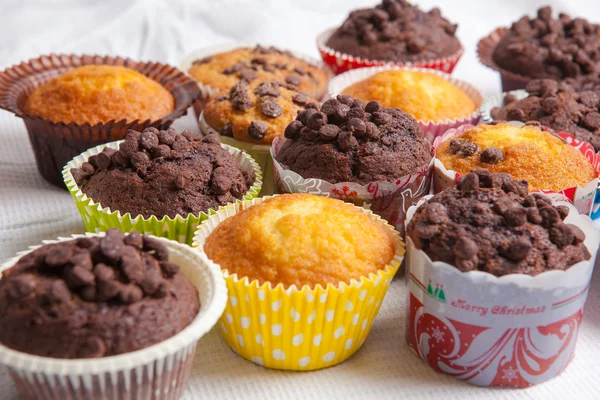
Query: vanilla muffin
(223, 70)
(424, 95)
(100, 93)
(257, 112)
(525, 152)
(300, 239)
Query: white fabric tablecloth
(32, 210)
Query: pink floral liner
(340, 62)
(430, 129)
(390, 200)
(582, 197)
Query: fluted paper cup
(340, 62)
(56, 143)
(295, 328)
(390, 200)
(516, 330)
(430, 129)
(97, 218)
(158, 372)
(582, 197)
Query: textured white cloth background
(161, 30)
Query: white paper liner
(390, 200)
(497, 101)
(300, 328)
(208, 91)
(430, 129)
(515, 330)
(583, 197)
(259, 152)
(156, 372)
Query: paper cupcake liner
(497, 101)
(97, 218)
(390, 200)
(340, 62)
(260, 152)
(516, 330)
(56, 143)
(157, 372)
(485, 52)
(299, 329)
(207, 91)
(430, 129)
(582, 197)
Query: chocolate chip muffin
(525, 152)
(347, 141)
(557, 106)
(163, 173)
(94, 297)
(257, 112)
(489, 222)
(397, 31)
(562, 48)
(222, 71)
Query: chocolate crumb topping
(489, 222)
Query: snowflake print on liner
(437, 334)
(510, 374)
(345, 194)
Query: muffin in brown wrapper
(56, 143)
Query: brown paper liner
(55, 144)
(485, 51)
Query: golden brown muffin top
(100, 93)
(424, 95)
(525, 152)
(301, 239)
(257, 112)
(223, 70)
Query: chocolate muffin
(94, 297)
(347, 141)
(489, 222)
(163, 173)
(397, 31)
(562, 48)
(557, 106)
(257, 112)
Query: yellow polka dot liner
(299, 329)
(98, 219)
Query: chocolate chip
(561, 235)
(140, 160)
(316, 120)
(129, 147)
(592, 120)
(248, 75)
(148, 140)
(465, 248)
(469, 182)
(134, 239)
(589, 99)
(545, 13)
(152, 276)
(166, 137)
(345, 99)
(192, 136)
(161, 151)
(107, 289)
(271, 109)
(132, 135)
(518, 249)
(212, 138)
(130, 294)
(550, 216)
(381, 118)
(119, 159)
(112, 244)
(59, 292)
(103, 271)
(182, 180)
(436, 213)
(161, 291)
(292, 131)
(309, 134)
(84, 242)
(300, 70)
(515, 114)
(509, 98)
(293, 79)
(169, 269)
(267, 89)
(204, 60)
(304, 115)
(373, 106)
(227, 129)
(237, 67)
(78, 276)
(357, 127)
(300, 99)
(131, 264)
(426, 231)
(88, 293)
(330, 106)
(518, 187)
(578, 234)
(491, 155)
(356, 112)
(346, 141)
(58, 255)
(181, 144)
(221, 182)
(534, 216)
(515, 216)
(22, 286)
(328, 132)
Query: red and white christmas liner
(430, 129)
(516, 330)
(340, 62)
(207, 91)
(158, 372)
(582, 197)
(390, 200)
